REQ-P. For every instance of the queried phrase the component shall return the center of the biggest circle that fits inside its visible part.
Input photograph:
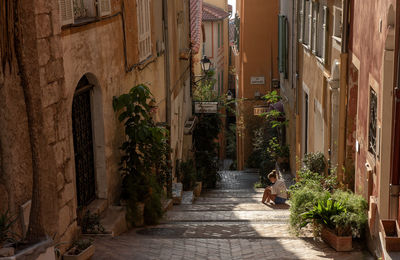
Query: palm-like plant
(323, 213)
(6, 234)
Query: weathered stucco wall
(367, 46)
(315, 75)
(258, 58)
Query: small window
(283, 45)
(73, 11)
(144, 29)
(307, 23)
(373, 117)
(337, 24)
(301, 19)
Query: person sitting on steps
(276, 193)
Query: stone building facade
(57, 119)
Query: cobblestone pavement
(226, 223)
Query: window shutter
(314, 27)
(144, 28)
(301, 35)
(325, 33)
(283, 43)
(66, 11)
(104, 7)
(310, 24)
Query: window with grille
(373, 117)
(144, 29)
(72, 11)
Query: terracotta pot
(339, 243)
(391, 233)
(140, 215)
(84, 255)
(197, 189)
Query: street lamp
(229, 95)
(205, 64)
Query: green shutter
(282, 44)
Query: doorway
(83, 143)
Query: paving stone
(226, 223)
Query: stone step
(232, 195)
(177, 189)
(98, 206)
(187, 198)
(231, 207)
(215, 201)
(220, 230)
(217, 191)
(192, 216)
(114, 220)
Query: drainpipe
(343, 93)
(167, 86)
(166, 66)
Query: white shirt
(279, 189)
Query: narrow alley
(229, 222)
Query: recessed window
(144, 29)
(373, 117)
(75, 11)
(337, 23)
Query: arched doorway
(83, 143)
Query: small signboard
(259, 110)
(206, 107)
(257, 80)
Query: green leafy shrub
(231, 142)
(186, 173)
(90, 223)
(353, 221)
(6, 222)
(145, 165)
(315, 162)
(79, 246)
(303, 200)
(323, 213)
(205, 137)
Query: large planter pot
(339, 243)
(139, 221)
(84, 255)
(391, 234)
(197, 189)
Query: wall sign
(206, 107)
(257, 80)
(259, 110)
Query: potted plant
(80, 250)
(145, 165)
(341, 217)
(6, 234)
(90, 223)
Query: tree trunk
(43, 216)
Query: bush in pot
(81, 250)
(145, 165)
